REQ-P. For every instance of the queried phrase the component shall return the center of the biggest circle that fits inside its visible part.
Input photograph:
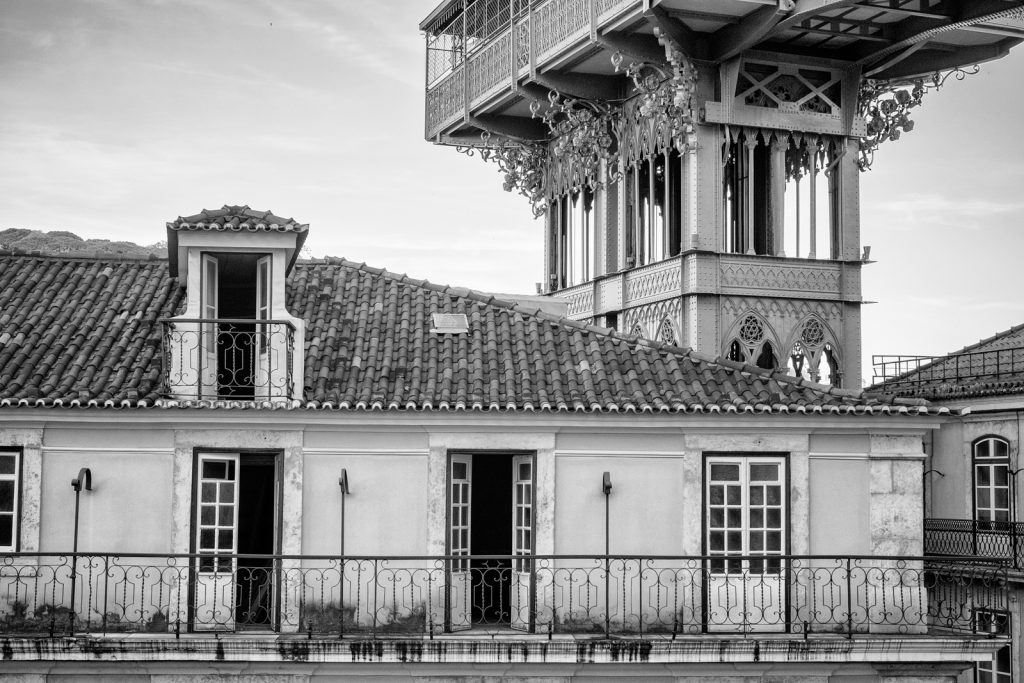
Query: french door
(209, 331)
(745, 500)
(235, 524)
(499, 590)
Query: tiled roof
(991, 367)
(81, 332)
(236, 218)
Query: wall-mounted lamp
(343, 485)
(606, 488)
(83, 480)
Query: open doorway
(236, 514)
(491, 522)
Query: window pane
(984, 499)
(227, 492)
(215, 469)
(756, 542)
(764, 472)
(725, 472)
(206, 514)
(716, 518)
(7, 530)
(7, 463)
(732, 495)
(227, 517)
(756, 519)
(774, 519)
(7, 496)
(208, 493)
(225, 539)
(984, 475)
(981, 449)
(206, 539)
(1002, 498)
(524, 471)
(756, 495)
(774, 495)
(716, 541)
(734, 518)
(999, 449)
(735, 540)
(717, 495)
(458, 470)
(1002, 475)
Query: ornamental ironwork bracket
(666, 91)
(523, 164)
(885, 105)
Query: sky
(117, 116)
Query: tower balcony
(229, 359)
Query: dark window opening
(491, 534)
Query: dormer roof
(233, 218)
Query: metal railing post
(849, 600)
(84, 478)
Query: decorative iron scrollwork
(584, 135)
(885, 105)
(524, 166)
(666, 94)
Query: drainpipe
(84, 479)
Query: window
(992, 493)
(814, 355)
(1000, 669)
(746, 513)
(10, 499)
(654, 208)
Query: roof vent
(450, 323)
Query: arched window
(666, 335)
(752, 345)
(637, 331)
(814, 356)
(992, 491)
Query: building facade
(289, 469)
(972, 498)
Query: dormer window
(235, 340)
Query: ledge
(491, 648)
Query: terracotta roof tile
(85, 332)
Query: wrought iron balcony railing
(424, 596)
(229, 358)
(911, 372)
(1002, 541)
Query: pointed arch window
(637, 330)
(752, 345)
(814, 356)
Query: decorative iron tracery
(815, 350)
(666, 94)
(584, 136)
(885, 106)
(666, 335)
(752, 343)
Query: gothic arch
(813, 352)
(752, 340)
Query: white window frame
(745, 508)
(991, 464)
(15, 512)
(233, 459)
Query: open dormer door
(209, 307)
(269, 351)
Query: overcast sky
(119, 115)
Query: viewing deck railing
(229, 358)
(496, 46)
(424, 596)
(909, 372)
(1002, 541)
